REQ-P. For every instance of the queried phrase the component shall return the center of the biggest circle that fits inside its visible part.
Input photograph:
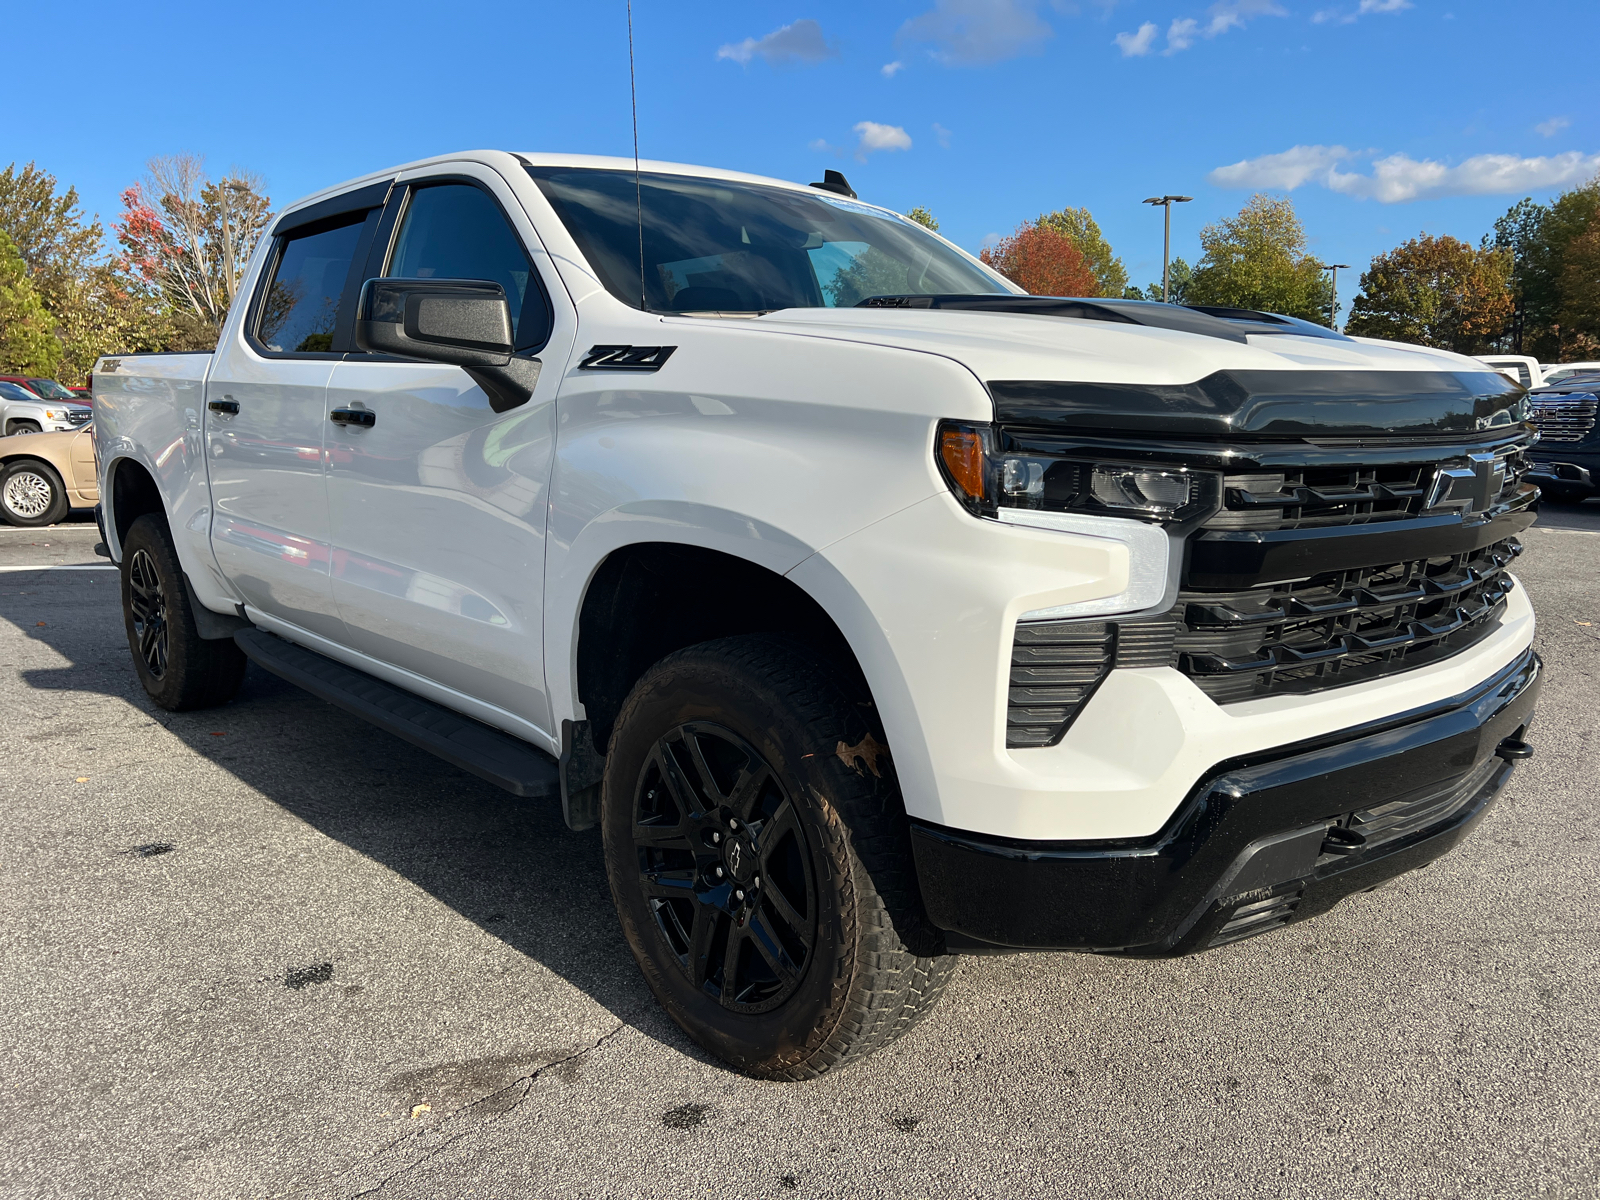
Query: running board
(503, 760)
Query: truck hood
(1096, 375)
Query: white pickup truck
(875, 612)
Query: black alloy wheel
(760, 858)
(179, 669)
(724, 867)
(147, 606)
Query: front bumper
(1250, 850)
(1556, 466)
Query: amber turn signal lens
(961, 451)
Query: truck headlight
(56, 414)
(986, 478)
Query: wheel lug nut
(739, 895)
(715, 837)
(719, 872)
(755, 881)
(733, 823)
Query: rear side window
(301, 301)
(456, 231)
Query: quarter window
(456, 231)
(301, 303)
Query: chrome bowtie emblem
(1467, 489)
(733, 857)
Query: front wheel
(31, 494)
(760, 861)
(180, 669)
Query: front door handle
(364, 417)
(226, 405)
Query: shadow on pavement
(509, 865)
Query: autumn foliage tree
(1436, 291)
(1258, 260)
(1043, 262)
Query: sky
(1381, 118)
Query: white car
(1520, 367)
(21, 411)
(1556, 372)
(874, 611)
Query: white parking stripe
(8, 569)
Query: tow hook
(1341, 839)
(1514, 750)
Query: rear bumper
(1250, 848)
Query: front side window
(456, 231)
(716, 246)
(301, 301)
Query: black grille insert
(1055, 667)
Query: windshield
(715, 246)
(14, 391)
(51, 390)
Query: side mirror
(465, 323)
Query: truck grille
(1308, 497)
(1564, 418)
(1341, 627)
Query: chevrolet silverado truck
(874, 611)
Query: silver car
(23, 412)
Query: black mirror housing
(461, 322)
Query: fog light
(1145, 490)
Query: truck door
(266, 413)
(437, 506)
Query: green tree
(28, 345)
(1580, 295)
(1258, 260)
(922, 216)
(1081, 229)
(1517, 233)
(1570, 216)
(1179, 275)
(1436, 291)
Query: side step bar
(503, 760)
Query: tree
(1544, 274)
(190, 238)
(1518, 233)
(923, 217)
(1081, 229)
(1042, 262)
(48, 231)
(27, 340)
(1179, 273)
(1436, 291)
(1580, 295)
(1258, 260)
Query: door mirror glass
(463, 322)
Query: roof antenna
(638, 193)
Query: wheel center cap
(740, 858)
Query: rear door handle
(364, 417)
(226, 405)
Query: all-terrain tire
(180, 669)
(873, 966)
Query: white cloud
(943, 134)
(1552, 127)
(1383, 6)
(890, 70)
(1185, 31)
(1181, 34)
(1280, 172)
(1399, 178)
(876, 137)
(975, 32)
(820, 144)
(1366, 8)
(1135, 45)
(800, 42)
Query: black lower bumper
(1556, 468)
(1259, 843)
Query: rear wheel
(180, 669)
(31, 494)
(760, 861)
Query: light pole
(1167, 202)
(1333, 308)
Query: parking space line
(8, 569)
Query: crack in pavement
(426, 1144)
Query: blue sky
(1383, 118)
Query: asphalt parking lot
(267, 951)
